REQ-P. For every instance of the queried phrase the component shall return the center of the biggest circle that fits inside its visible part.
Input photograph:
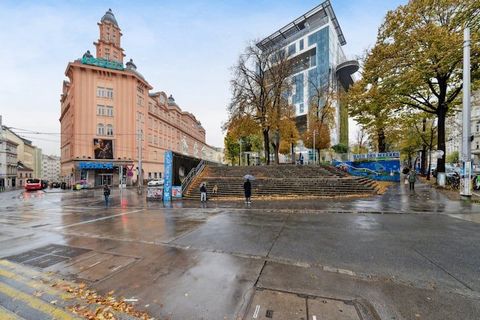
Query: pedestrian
(215, 190)
(203, 192)
(106, 194)
(247, 188)
(405, 171)
(412, 177)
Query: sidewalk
(397, 199)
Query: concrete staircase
(281, 181)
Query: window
(301, 108)
(301, 44)
(155, 175)
(100, 129)
(291, 49)
(109, 111)
(100, 110)
(140, 101)
(150, 175)
(100, 92)
(109, 93)
(109, 130)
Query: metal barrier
(192, 174)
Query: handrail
(192, 174)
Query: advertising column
(168, 176)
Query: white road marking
(98, 219)
(257, 310)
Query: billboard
(103, 148)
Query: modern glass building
(314, 41)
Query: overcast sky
(185, 48)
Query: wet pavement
(400, 255)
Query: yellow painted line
(37, 285)
(18, 268)
(48, 309)
(29, 273)
(8, 315)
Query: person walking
(106, 194)
(215, 190)
(203, 193)
(247, 188)
(412, 177)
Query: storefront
(97, 174)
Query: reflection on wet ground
(185, 261)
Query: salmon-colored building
(108, 111)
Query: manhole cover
(45, 261)
(47, 256)
(327, 309)
(269, 304)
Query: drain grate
(47, 256)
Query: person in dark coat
(412, 177)
(203, 193)
(247, 188)
(106, 194)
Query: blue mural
(168, 176)
(380, 170)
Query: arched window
(109, 130)
(100, 129)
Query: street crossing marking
(98, 219)
(6, 314)
(35, 303)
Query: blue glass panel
(319, 76)
(298, 96)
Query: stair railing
(192, 174)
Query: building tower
(108, 45)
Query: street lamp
(314, 149)
(240, 152)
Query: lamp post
(465, 185)
(314, 149)
(240, 152)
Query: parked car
(33, 184)
(55, 185)
(154, 183)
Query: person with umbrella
(247, 188)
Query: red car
(33, 184)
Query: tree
(371, 105)
(340, 148)
(289, 136)
(419, 54)
(453, 157)
(259, 85)
(321, 132)
(232, 148)
(243, 134)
